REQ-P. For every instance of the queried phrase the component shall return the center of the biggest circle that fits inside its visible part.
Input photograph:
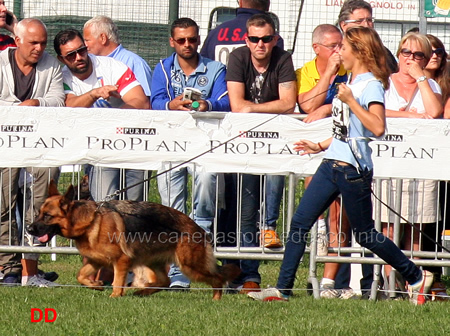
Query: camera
(191, 94)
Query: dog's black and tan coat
(128, 235)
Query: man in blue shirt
(186, 68)
(101, 36)
(223, 39)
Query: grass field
(85, 312)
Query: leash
(120, 191)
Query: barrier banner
(147, 139)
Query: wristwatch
(421, 79)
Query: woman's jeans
(330, 180)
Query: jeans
(8, 226)
(330, 180)
(104, 181)
(172, 188)
(274, 194)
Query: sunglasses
(182, 41)
(439, 52)
(265, 39)
(73, 54)
(418, 55)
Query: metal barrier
(291, 197)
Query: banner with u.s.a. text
(144, 139)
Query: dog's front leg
(86, 273)
(121, 268)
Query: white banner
(144, 139)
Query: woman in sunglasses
(436, 69)
(412, 94)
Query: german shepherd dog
(130, 235)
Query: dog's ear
(53, 189)
(65, 201)
(85, 180)
(70, 193)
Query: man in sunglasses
(223, 39)
(260, 79)
(187, 69)
(96, 81)
(29, 77)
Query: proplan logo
(17, 128)
(135, 131)
(260, 134)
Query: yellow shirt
(308, 76)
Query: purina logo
(393, 137)
(135, 131)
(17, 128)
(260, 135)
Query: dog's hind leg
(121, 267)
(85, 276)
(199, 264)
(161, 280)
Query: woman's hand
(345, 93)
(415, 70)
(306, 147)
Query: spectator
(412, 95)
(223, 39)
(435, 69)
(101, 37)
(220, 42)
(358, 112)
(186, 68)
(260, 79)
(36, 80)
(359, 13)
(118, 88)
(7, 21)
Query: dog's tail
(229, 272)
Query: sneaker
(49, 276)
(11, 279)
(348, 294)
(249, 287)
(439, 292)
(233, 288)
(37, 281)
(322, 243)
(1, 275)
(418, 291)
(268, 294)
(269, 239)
(328, 292)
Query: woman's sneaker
(418, 291)
(268, 294)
